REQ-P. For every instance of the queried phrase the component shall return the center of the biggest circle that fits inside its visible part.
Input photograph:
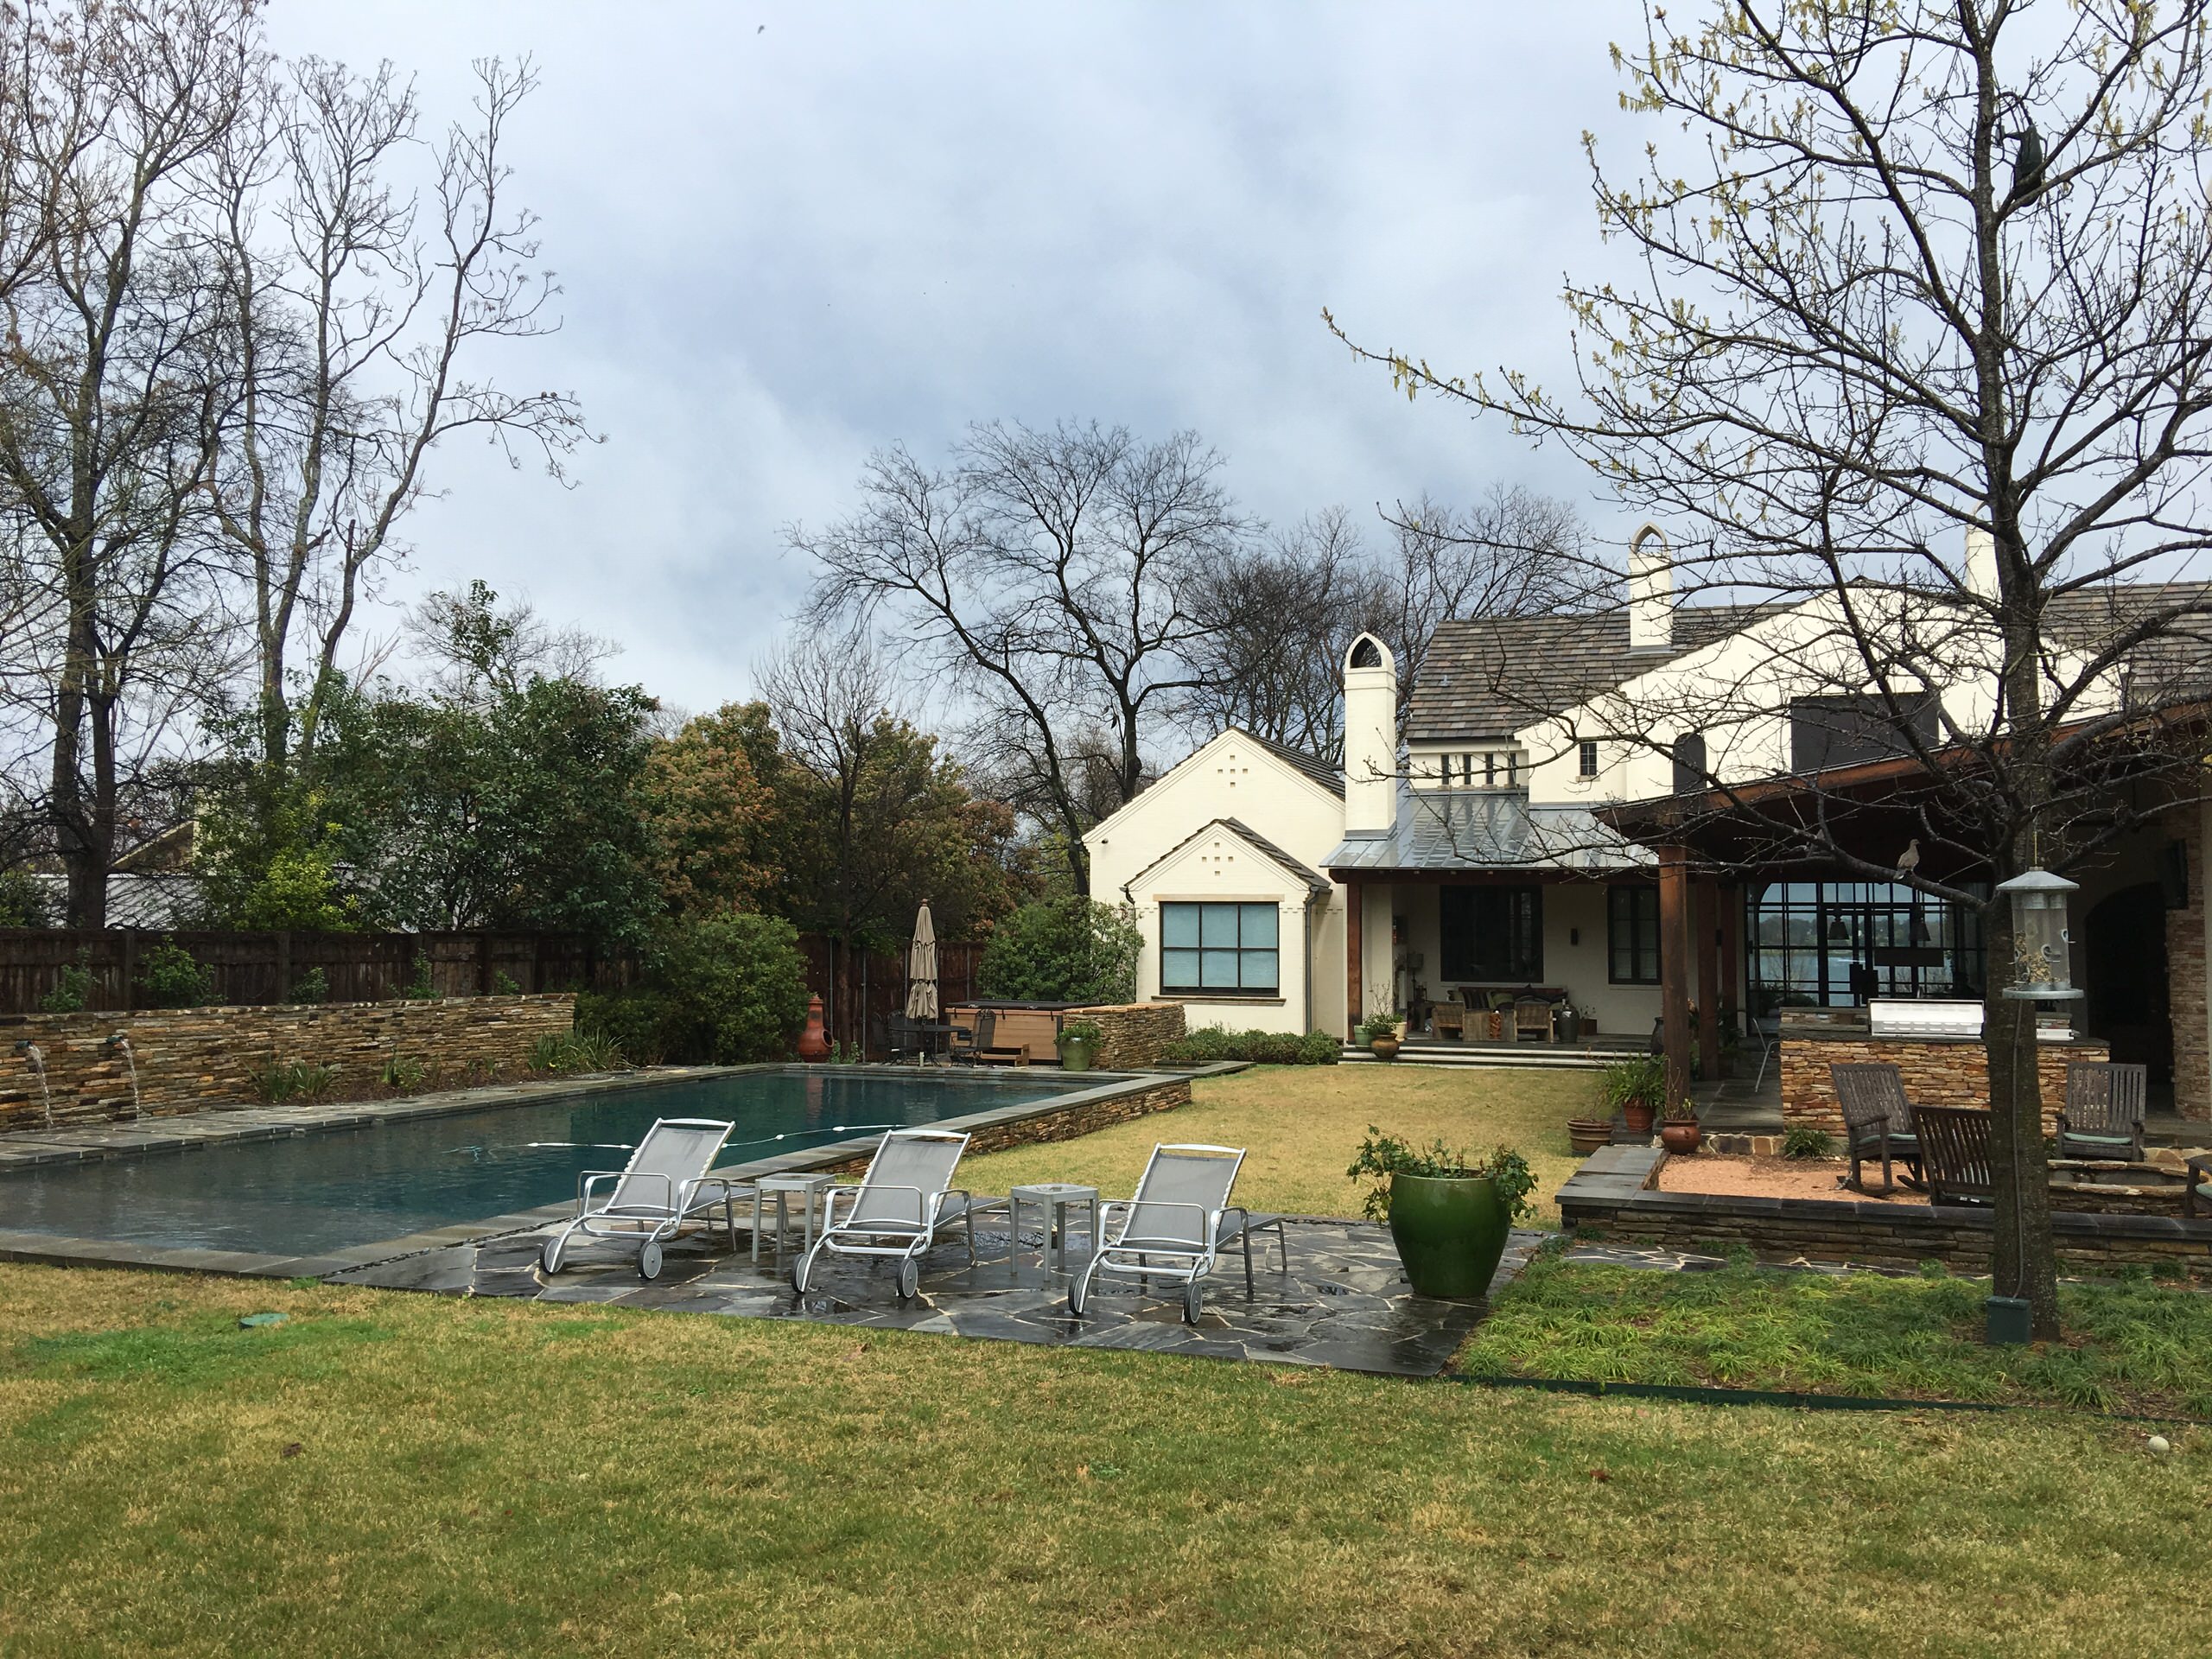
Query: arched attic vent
(1368, 652)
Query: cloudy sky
(789, 234)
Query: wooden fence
(254, 969)
(249, 968)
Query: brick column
(2188, 971)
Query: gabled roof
(1315, 881)
(1491, 676)
(1330, 778)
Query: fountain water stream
(36, 1061)
(121, 1043)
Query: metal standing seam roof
(1442, 831)
(1315, 881)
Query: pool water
(331, 1190)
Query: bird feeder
(2042, 969)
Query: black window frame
(1508, 921)
(1633, 911)
(1222, 993)
(1587, 764)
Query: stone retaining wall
(1067, 1124)
(1609, 1198)
(191, 1058)
(1938, 1072)
(1137, 1033)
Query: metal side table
(1055, 1198)
(810, 1190)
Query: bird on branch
(1909, 859)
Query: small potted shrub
(1448, 1213)
(1078, 1045)
(1679, 1133)
(1634, 1088)
(1381, 1030)
(1586, 1134)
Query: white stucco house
(1472, 847)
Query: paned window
(1227, 949)
(1632, 935)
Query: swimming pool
(343, 1187)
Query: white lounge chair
(895, 1212)
(652, 1198)
(1174, 1227)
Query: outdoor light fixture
(2042, 968)
(1838, 934)
(1918, 933)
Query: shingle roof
(2174, 665)
(1491, 675)
(1315, 881)
(1485, 829)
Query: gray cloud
(867, 225)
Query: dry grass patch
(398, 1474)
(1302, 1124)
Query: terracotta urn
(813, 1045)
(1384, 1048)
(1680, 1135)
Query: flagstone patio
(1343, 1302)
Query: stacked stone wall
(1936, 1073)
(1136, 1033)
(189, 1059)
(1062, 1123)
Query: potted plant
(1381, 1030)
(1586, 1134)
(1448, 1213)
(1079, 1044)
(1635, 1087)
(1680, 1132)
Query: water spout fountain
(121, 1043)
(36, 1061)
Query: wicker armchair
(1877, 1121)
(2104, 1111)
(1955, 1154)
(1532, 1017)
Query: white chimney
(1370, 737)
(1981, 564)
(1650, 591)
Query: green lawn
(2130, 1347)
(1302, 1124)
(400, 1474)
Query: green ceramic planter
(1450, 1232)
(1076, 1056)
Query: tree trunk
(2023, 1258)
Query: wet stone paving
(1341, 1302)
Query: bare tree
(1277, 617)
(110, 369)
(357, 325)
(1858, 335)
(473, 645)
(1048, 578)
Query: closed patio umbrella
(921, 969)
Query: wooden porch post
(1353, 925)
(1674, 968)
(1732, 952)
(1708, 981)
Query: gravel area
(1777, 1178)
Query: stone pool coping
(1107, 1096)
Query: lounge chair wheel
(649, 1261)
(910, 1279)
(549, 1257)
(1194, 1301)
(1077, 1295)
